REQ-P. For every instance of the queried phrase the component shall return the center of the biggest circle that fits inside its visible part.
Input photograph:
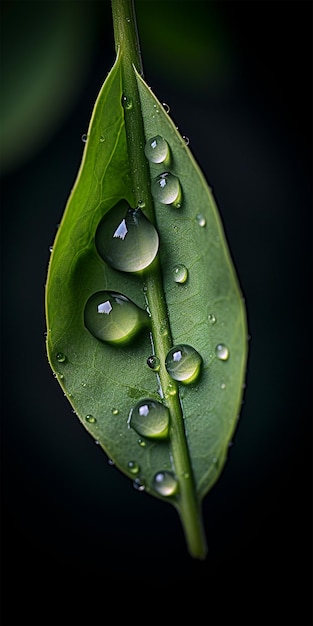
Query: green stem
(127, 44)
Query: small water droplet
(126, 239)
(127, 102)
(133, 467)
(222, 352)
(83, 384)
(211, 318)
(166, 189)
(170, 390)
(115, 411)
(84, 138)
(113, 318)
(97, 442)
(153, 362)
(183, 363)
(90, 419)
(50, 248)
(215, 460)
(150, 418)
(157, 149)
(201, 221)
(180, 273)
(60, 376)
(60, 357)
(186, 140)
(141, 204)
(165, 483)
(139, 484)
(102, 139)
(141, 443)
(223, 386)
(110, 461)
(166, 107)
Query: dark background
(79, 544)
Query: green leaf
(120, 367)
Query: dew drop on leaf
(166, 189)
(183, 363)
(90, 419)
(165, 483)
(60, 357)
(84, 138)
(139, 484)
(127, 102)
(157, 149)
(126, 239)
(150, 418)
(180, 273)
(133, 467)
(201, 220)
(113, 318)
(222, 352)
(153, 362)
(212, 318)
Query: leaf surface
(104, 381)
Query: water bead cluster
(128, 242)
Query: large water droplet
(183, 363)
(113, 318)
(166, 189)
(222, 352)
(180, 273)
(157, 149)
(150, 418)
(126, 239)
(165, 483)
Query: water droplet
(165, 483)
(50, 248)
(90, 419)
(139, 484)
(211, 318)
(150, 418)
(222, 352)
(170, 390)
(126, 239)
(166, 107)
(133, 467)
(102, 139)
(183, 363)
(127, 102)
(154, 362)
(186, 140)
(115, 411)
(201, 220)
(223, 386)
(84, 138)
(157, 149)
(60, 357)
(166, 189)
(113, 318)
(110, 461)
(142, 443)
(141, 204)
(180, 273)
